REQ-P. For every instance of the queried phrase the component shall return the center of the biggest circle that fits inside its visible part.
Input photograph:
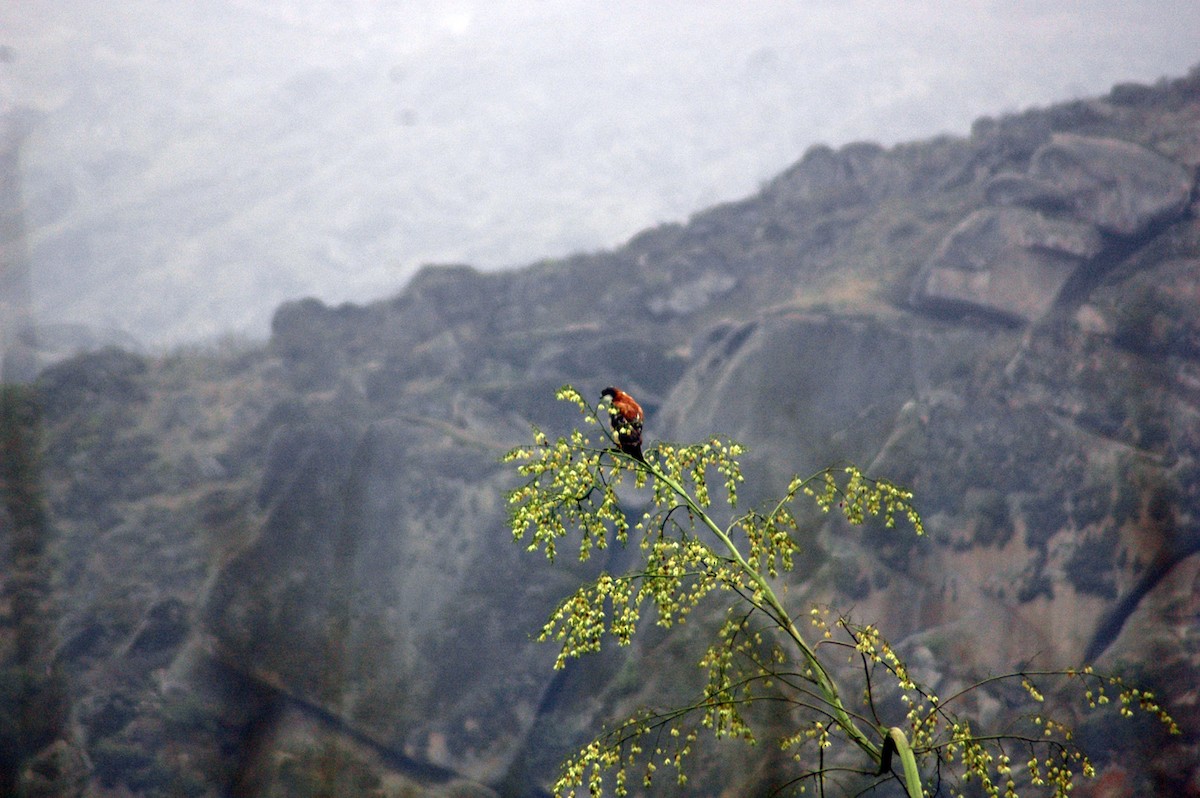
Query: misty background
(190, 166)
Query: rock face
(1117, 186)
(380, 589)
(1010, 262)
(285, 570)
(1051, 224)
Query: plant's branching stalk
(572, 488)
(780, 614)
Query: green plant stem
(821, 677)
(912, 776)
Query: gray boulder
(1120, 187)
(1008, 262)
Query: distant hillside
(193, 166)
(284, 570)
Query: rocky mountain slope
(285, 571)
(187, 169)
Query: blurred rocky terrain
(285, 571)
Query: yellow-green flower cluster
(688, 466)
(769, 535)
(622, 749)
(860, 497)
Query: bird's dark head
(610, 392)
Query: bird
(625, 415)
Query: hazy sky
(197, 163)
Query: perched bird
(626, 417)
